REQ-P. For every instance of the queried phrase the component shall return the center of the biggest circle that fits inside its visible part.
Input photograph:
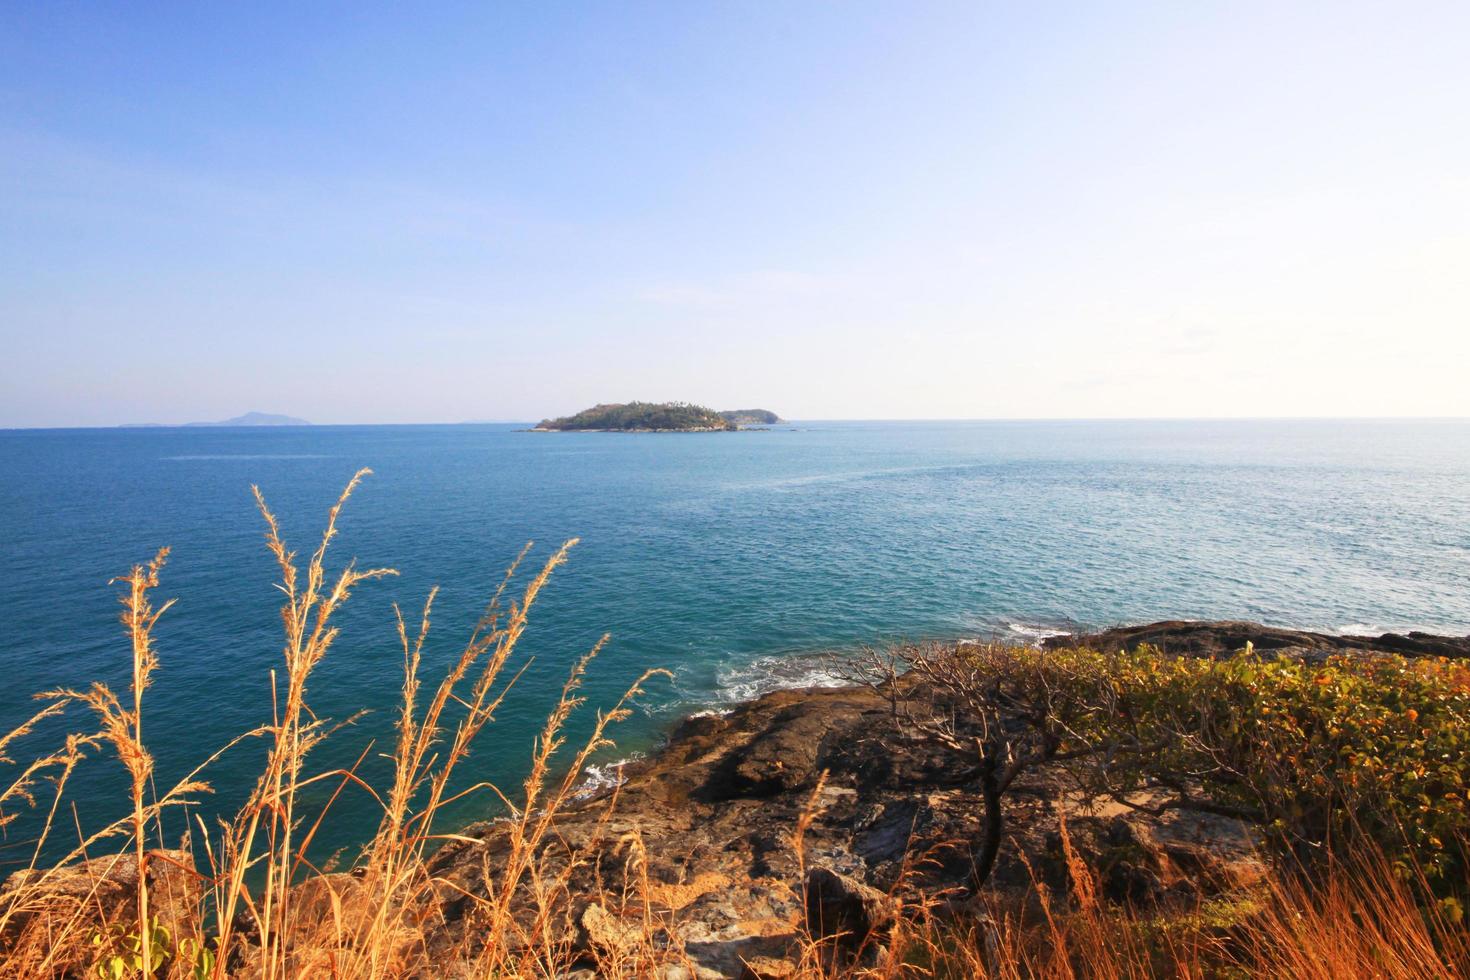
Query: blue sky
(375, 213)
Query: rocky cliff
(713, 814)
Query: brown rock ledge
(716, 808)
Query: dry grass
(247, 912)
(243, 901)
(1359, 920)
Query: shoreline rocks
(715, 809)
(1221, 637)
(705, 829)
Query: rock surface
(714, 813)
(706, 830)
(716, 809)
(845, 909)
(85, 898)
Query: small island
(657, 417)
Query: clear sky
(439, 212)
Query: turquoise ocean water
(727, 558)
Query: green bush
(1322, 753)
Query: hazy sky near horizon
(374, 213)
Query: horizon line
(997, 418)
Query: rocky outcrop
(714, 814)
(69, 908)
(1218, 638)
(844, 909)
(805, 813)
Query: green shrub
(1321, 753)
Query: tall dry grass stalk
(29, 895)
(261, 836)
(1365, 917)
(1362, 918)
(368, 923)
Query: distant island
(257, 418)
(249, 418)
(657, 417)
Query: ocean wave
(1018, 632)
(1034, 633)
(765, 674)
(599, 779)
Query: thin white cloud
(739, 289)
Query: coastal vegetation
(1325, 756)
(1350, 772)
(657, 417)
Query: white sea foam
(598, 779)
(1021, 634)
(1359, 629)
(766, 674)
(1033, 633)
(1378, 629)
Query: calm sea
(727, 558)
